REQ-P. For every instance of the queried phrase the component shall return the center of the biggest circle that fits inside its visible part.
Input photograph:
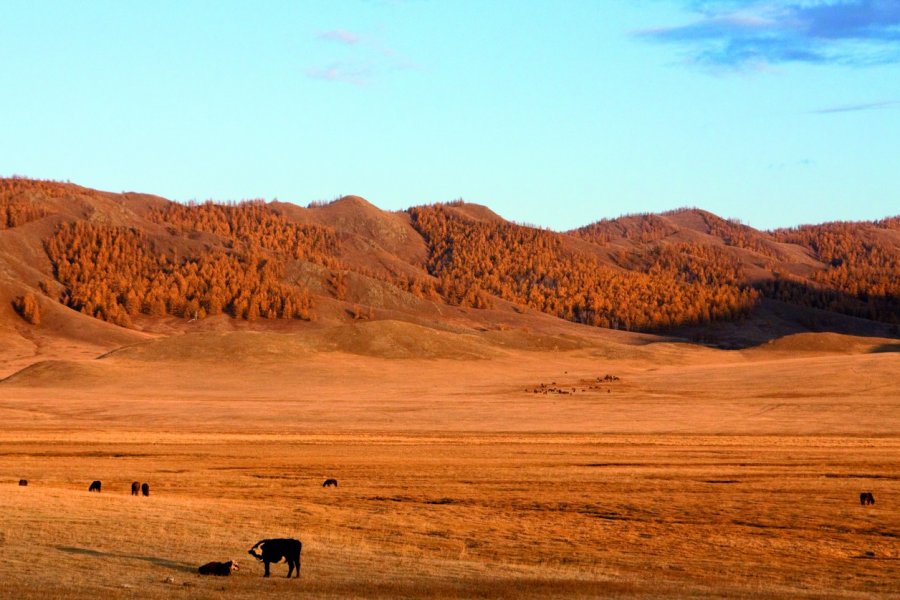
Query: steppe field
(697, 473)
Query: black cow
(274, 551)
(330, 482)
(135, 488)
(94, 487)
(219, 568)
(23, 482)
(145, 489)
(866, 498)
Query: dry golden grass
(699, 474)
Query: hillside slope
(84, 271)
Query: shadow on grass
(518, 588)
(773, 319)
(886, 348)
(161, 562)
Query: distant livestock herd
(273, 551)
(585, 385)
(268, 552)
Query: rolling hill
(83, 272)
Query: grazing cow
(330, 482)
(94, 487)
(219, 568)
(145, 489)
(274, 551)
(135, 488)
(866, 498)
(23, 482)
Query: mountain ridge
(90, 260)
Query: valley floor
(687, 477)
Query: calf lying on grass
(219, 568)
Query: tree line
(254, 223)
(475, 261)
(17, 207)
(862, 269)
(116, 273)
(860, 274)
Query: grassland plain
(699, 473)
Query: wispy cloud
(355, 74)
(369, 57)
(858, 107)
(803, 163)
(759, 33)
(341, 36)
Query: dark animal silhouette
(23, 482)
(145, 489)
(330, 482)
(866, 498)
(219, 568)
(94, 487)
(135, 488)
(274, 551)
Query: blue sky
(551, 113)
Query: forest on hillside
(115, 273)
(201, 259)
(675, 285)
(860, 273)
(17, 206)
(649, 228)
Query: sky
(553, 113)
